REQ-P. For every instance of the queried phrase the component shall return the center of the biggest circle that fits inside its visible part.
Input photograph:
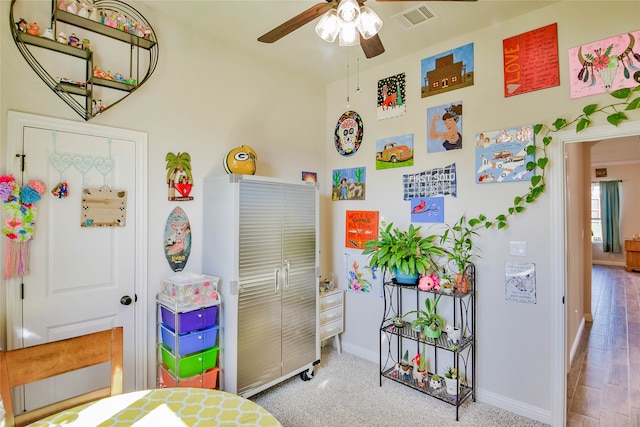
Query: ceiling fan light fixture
(349, 10)
(349, 35)
(369, 23)
(329, 26)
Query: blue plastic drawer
(190, 320)
(191, 342)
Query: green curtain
(610, 214)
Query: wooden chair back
(29, 364)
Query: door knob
(126, 300)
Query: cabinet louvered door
(260, 284)
(300, 290)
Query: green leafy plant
(405, 250)
(435, 377)
(459, 241)
(428, 318)
(452, 373)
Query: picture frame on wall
(601, 172)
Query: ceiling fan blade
(296, 22)
(421, 0)
(371, 47)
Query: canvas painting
(605, 65)
(361, 277)
(427, 209)
(394, 152)
(349, 184)
(531, 61)
(444, 127)
(309, 176)
(360, 226)
(447, 71)
(391, 97)
(432, 182)
(501, 155)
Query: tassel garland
(18, 206)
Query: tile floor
(603, 385)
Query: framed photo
(601, 172)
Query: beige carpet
(346, 392)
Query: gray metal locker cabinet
(261, 240)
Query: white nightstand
(331, 315)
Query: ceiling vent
(415, 16)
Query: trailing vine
(615, 115)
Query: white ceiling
(238, 24)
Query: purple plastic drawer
(190, 320)
(191, 342)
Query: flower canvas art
(605, 65)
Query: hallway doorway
(573, 266)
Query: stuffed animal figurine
(428, 283)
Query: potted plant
(430, 322)
(419, 367)
(434, 382)
(459, 238)
(403, 252)
(398, 322)
(451, 380)
(405, 366)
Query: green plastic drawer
(190, 365)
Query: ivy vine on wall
(627, 99)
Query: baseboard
(576, 343)
(361, 352)
(517, 407)
(609, 263)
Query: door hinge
(21, 156)
(563, 299)
(21, 290)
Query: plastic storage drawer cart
(188, 332)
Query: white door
(81, 279)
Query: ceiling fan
(371, 44)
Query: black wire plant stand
(442, 351)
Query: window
(596, 219)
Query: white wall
(203, 99)
(514, 341)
